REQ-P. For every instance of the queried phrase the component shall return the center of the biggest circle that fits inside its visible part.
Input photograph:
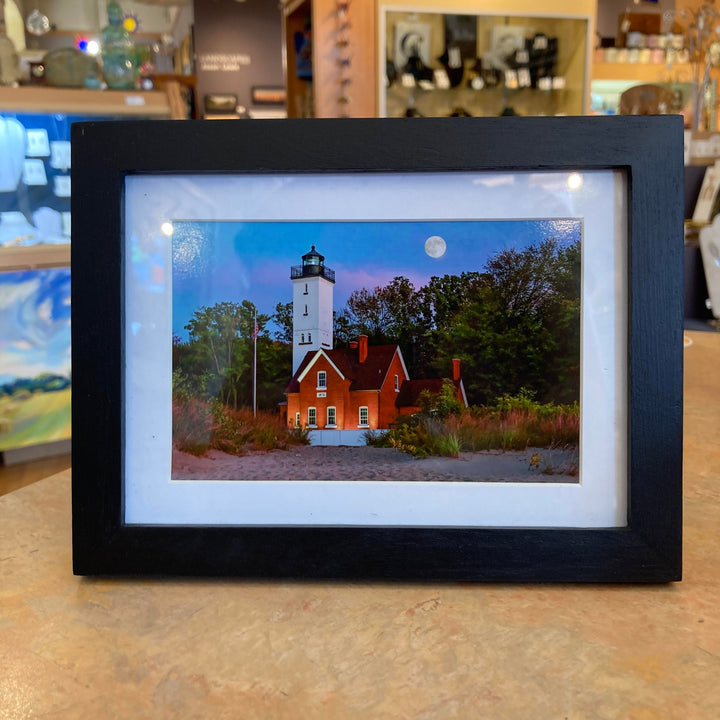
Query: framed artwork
(378, 349)
(35, 376)
(505, 40)
(461, 32)
(412, 40)
(35, 179)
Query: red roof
(409, 395)
(369, 375)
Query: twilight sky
(235, 261)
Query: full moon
(435, 246)
(574, 181)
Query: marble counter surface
(87, 648)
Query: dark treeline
(45, 382)
(515, 326)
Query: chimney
(456, 369)
(362, 341)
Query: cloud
(14, 293)
(20, 366)
(44, 310)
(495, 180)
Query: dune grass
(512, 423)
(199, 426)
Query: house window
(305, 313)
(331, 417)
(302, 338)
(322, 380)
(312, 417)
(306, 290)
(364, 416)
(397, 384)
(309, 337)
(297, 419)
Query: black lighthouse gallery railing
(298, 271)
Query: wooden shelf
(642, 72)
(151, 104)
(486, 102)
(31, 257)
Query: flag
(255, 332)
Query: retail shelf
(642, 72)
(151, 104)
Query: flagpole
(255, 334)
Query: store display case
(35, 230)
(489, 60)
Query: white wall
(91, 15)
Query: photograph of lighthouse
(430, 351)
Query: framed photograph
(505, 41)
(378, 349)
(413, 39)
(461, 32)
(268, 95)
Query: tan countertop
(87, 648)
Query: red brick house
(347, 388)
(360, 387)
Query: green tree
(387, 315)
(283, 318)
(217, 359)
(367, 314)
(443, 297)
(274, 372)
(343, 331)
(519, 327)
(440, 302)
(217, 328)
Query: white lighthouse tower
(312, 305)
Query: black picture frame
(650, 152)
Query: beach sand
(306, 462)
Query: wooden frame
(646, 150)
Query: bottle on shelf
(9, 69)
